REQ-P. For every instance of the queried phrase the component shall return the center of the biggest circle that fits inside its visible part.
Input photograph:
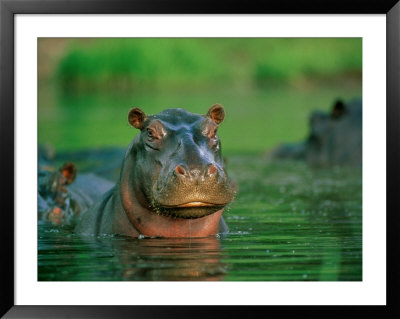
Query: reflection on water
(289, 222)
(69, 257)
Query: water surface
(289, 222)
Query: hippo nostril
(180, 170)
(211, 169)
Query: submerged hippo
(335, 138)
(63, 196)
(172, 181)
(54, 202)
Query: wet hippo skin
(63, 195)
(173, 182)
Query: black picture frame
(8, 10)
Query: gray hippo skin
(335, 138)
(63, 195)
(172, 183)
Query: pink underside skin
(149, 223)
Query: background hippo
(335, 138)
(63, 195)
(172, 182)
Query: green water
(288, 223)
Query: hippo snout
(192, 193)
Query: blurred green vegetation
(267, 85)
(204, 62)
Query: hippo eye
(212, 134)
(210, 130)
(151, 134)
(213, 142)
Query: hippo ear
(68, 170)
(136, 117)
(216, 113)
(338, 109)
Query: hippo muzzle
(192, 193)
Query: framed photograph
(287, 204)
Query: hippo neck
(149, 223)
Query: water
(288, 223)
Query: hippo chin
(172, 182)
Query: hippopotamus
(63, 196)
(172, 182)
(335, 138)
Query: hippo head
(175, 164)
(334, 137)
(54, 200)
(322, 123)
